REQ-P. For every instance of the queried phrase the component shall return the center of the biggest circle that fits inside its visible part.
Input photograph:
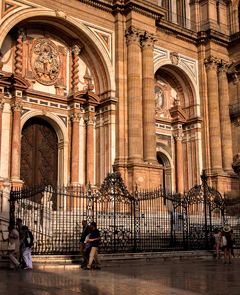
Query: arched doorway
(164, 159)
(39, 153)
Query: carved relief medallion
(45, 61)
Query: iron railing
(142, 221)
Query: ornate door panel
(39, 153)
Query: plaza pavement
(188, 277)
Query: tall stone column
(16, 140)
(211, 64)
(135, 142)
(19, 53)
(226, 131)
(149, 120)
(179, 162)
(90, 150)
(75, 67)
(75, 118)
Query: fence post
(204, 181)
(136, 218)
(12, 208)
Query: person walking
(13, 239)
(21, 236)
(229, 246)
(27, 247)
(94, 243)
(85, 232)
(217, 238)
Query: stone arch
(169, 168)
(95, 48)
(185, 78)
(62, 135)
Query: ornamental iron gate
(142, 221)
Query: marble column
(75, 118)
(211, 64)
(179, 162)
(226, 131)
(149, 116)
(19, 53)
(90, 120)
(135, 139)
(75, 67)
(16, 140)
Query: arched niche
(62, 137)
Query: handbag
(11, 247)
(223, 242)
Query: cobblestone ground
(163, 278)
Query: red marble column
(19, 53)
(16, 140)
(90, 150)
(179, 162)
(75, 68)
(75, 118)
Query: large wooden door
(39, 153)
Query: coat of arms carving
(45, 61)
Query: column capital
(132, 35)
(75, 117)
(90, 120)
(147, 40)
(178, 136)
(211, 63)
(223, 67)
(16, 106)
(76, 50)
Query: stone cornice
(124, 6)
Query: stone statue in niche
(159, 98)
(45, 61)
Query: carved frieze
(45, 61)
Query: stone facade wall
(126, 86)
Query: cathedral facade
(147, 88)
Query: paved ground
(163, 278)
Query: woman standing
(27, 247)
(13, 238)
(217, 237)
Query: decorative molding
(17, 106)
(45, 61)
(211, 63)
(174, 57)
(64, 119)
(75, 117)
(8, 6)
(105, 37)
(132, 35)
(147, 40)
(159, 53)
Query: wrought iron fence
(142, 221)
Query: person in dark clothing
(230, 240)
(94, 242)
(85, 232)
(27, 247)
